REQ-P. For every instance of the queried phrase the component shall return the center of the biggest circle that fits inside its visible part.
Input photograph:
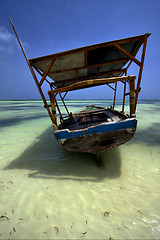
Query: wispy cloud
(7, 41)
(5, 35)
(6, 49)
(25, 45)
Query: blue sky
(50, 26)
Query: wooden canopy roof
(89, 66)
(102, 60)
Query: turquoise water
(49, 193)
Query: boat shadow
(45, 159)
(149, 136)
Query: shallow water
(49, 193)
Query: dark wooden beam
(47, 71)
(124, 91)
(41, 74)
(110, 86)
(65, 95)
(141, 69)
(64, 103)
(142, 41)
(115, 91)
(128, 54)
(90, 76)
(90, 66)
(99, 69)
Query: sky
(50, 26)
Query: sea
(49, 193)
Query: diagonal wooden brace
(128, 54)
(47, 71)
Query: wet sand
(49, 193)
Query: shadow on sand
(149, 136)
(45, 159)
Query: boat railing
(96, 82)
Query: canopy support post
(115, 91)
(124, 92)
(53, 107)
(132, 99)
(141, 69)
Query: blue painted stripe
(124, 124)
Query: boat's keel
(99, 161)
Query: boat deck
(85, 119)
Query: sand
(49, 193)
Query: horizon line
(85, 99)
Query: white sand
(48, 193)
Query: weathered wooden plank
(87, 48)
(94, 143)
(90, 66)
(91, 82)
(90, 76)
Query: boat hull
(98, 138)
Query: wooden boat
(94, 129)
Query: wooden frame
(96, 46)
(80, 82)
(91, 83)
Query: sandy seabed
(49, 193)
